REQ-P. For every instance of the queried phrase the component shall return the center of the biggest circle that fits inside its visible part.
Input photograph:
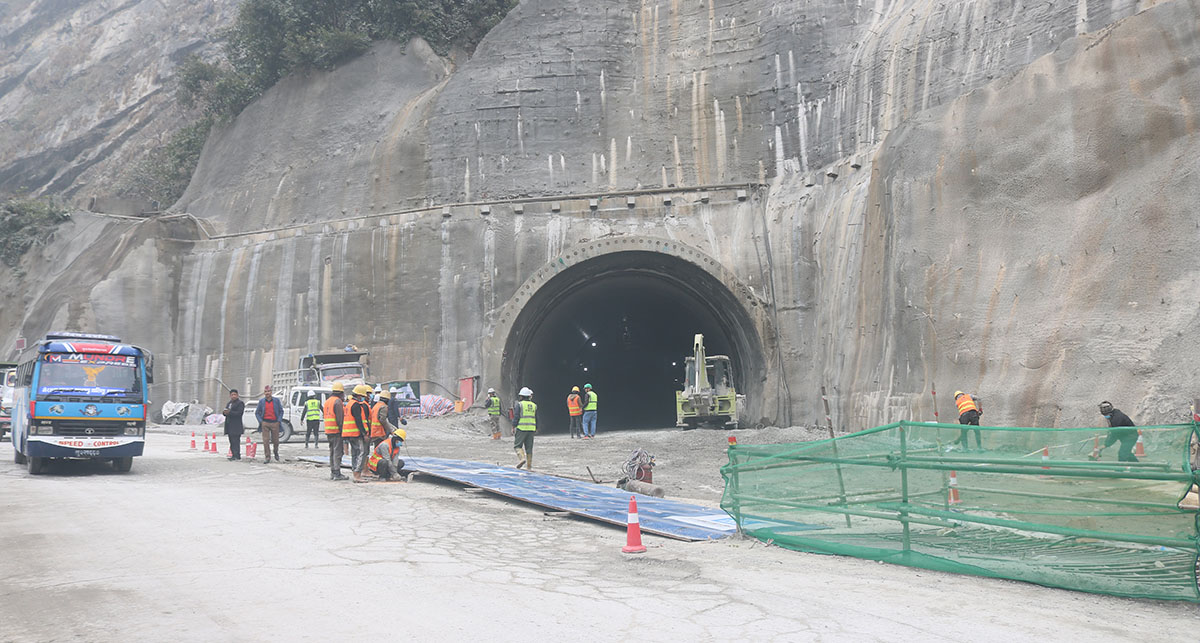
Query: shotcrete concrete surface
(192, 547)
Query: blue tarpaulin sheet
(669, 518)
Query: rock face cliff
(981, 195)
(85, 87)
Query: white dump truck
(317, 373)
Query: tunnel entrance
(624, 322)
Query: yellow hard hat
(400, 433)
(362, 389)
(957, 393)
(385, 395)
(574, 389)
(337, 386)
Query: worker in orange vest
(385, 457)
(356, 425)
(380, 427)
(969, 410)
(333, 413)
(575, 410)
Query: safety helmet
(525, 392)
(400, 433)
(392, 389)
(378, 388)
(312, 393)
(385, 395)
(362, 389)
(491, 390)
(587, 386)
(957, 393)
(574, 389)
(338, 387)
(1106, 407)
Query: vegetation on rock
(273, 38)
(25, 222)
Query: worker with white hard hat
(493, 409)
(524, 426)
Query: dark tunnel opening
(624, 322)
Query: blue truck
(81, 396)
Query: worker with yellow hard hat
(385, 457)
(969, 410)
(356, 425)
(380, 427)
(333, 413)
(575, 412)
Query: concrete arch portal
(624, 320)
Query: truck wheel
(18, 457)
(122, 465)
(285, 431)
(36, 465)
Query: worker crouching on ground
(1127, 436)
(493, 409)
(355, 425)
(334, 412)
(385, 457)
(524, 426)
(969, 410)
(575, 411)
(380, 426)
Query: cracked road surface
(191, 547)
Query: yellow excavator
(708, 396)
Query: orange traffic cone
(1139, 449)
(193, 447)
(248, 443)
(633, 531)
(1045, 457)
(253, 450)
(206, 440)
(953, 496)
(213, 448)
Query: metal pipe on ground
(644, 488)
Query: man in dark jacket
(269, 414)
(233, 423)
(1127, 436)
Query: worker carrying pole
(385, 457)
(524, 426)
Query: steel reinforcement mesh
(1047, 506)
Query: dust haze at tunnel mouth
(624, 322)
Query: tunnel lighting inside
(624, 322)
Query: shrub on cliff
(25, 222)
(163, 173)
(273, 38)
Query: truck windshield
(347, 372)
(76, 374)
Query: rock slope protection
(85, 87)
(1019, 232)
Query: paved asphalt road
(190, 547)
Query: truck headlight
(44, 430)
(133, 430)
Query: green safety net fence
(1048, 506)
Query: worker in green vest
(524, 426)
(493, 409)
(590, 400)
(312, 419)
